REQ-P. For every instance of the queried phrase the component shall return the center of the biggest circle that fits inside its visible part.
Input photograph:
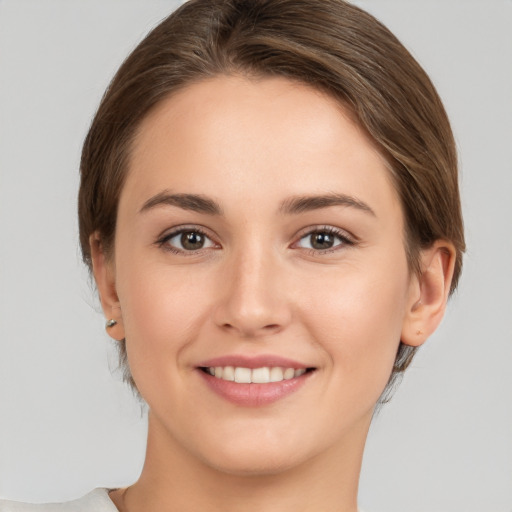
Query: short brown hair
(330, 45)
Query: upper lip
(252, 362)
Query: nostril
(228, 325)
(250, 331)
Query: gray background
(67, 425)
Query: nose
(253, 301)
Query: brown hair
(328, 44)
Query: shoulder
(96, 501)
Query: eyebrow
(302, 204)
(193, 202)
(294, 205)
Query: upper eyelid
(341, 233)
(163, 240)
(171, 232)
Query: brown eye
(187, 241)
(192, 240)
(321, 240)
(324, 239)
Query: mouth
(254, 381)
(261, 375)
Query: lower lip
(254, 395)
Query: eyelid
(168, 234)
(348, 239)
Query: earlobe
(429, 293)
(104, 275)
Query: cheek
(163, 308)
(358, 324)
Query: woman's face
(259, 233)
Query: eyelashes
(324, 240)
(193, 240)
(186, 240)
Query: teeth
(289, 373)
(276, 374)
(243, 375)
(228, 373)
(262, 375)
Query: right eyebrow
(301, 204)
(193, 202)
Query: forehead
(229, 136)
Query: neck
(172, 480)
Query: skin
(258, 287)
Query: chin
(253, 463)
(251, 451)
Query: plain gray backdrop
(67, 424)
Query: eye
(186, 240)
(324, 239)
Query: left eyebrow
(193, 202)
(302, 204)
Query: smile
(254, 381)
(263, 375)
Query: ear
(104, 275)
(429, 293)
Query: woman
(269, 204)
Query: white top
(96, 501)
